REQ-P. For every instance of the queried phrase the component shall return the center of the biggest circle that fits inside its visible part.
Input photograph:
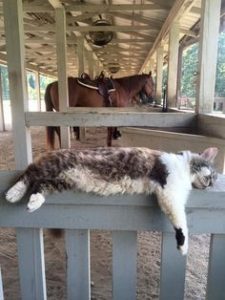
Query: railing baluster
(30, 248)
(172, 271)
(216, 269)
(78, 264)
(124, 265)
(1, 286)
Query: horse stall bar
(103, 116)
(124, 215)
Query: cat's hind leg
(16, 192)
(175, 210)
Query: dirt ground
(149, 245)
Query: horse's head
(149, 86)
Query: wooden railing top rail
(124, 215)
(110, 117)
(119, 212)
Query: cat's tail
(18, 190)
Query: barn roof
(134, 29)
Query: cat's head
(201, 167)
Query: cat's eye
(180, 153)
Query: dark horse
(125, 89)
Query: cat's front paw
(35, 202)
(16, 192)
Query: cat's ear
(209, 153)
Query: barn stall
(52, 37)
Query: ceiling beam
(29, 66)
(55, 3)
(179, 8)
(114, 28)
(28, 7)
(136, 17)
(73, 41)
(196, 11)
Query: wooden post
(159, 73)
(208, 44)
(2, 119)
(90, 64)
(172, 64)
(33, 270)
(62, 72)
(17, 81)
(1, 286)
(80, 51)
(151, 65)
(37, 79)
(94, 67)
(179, 75)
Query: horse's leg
(77, 132)
(50, 134)
(116, 133)
(109, 136)
(57, 129)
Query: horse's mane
(129, 82)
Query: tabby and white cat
(107, 171)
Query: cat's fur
(107, 171)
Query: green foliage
(220, 69)
(190, 67)
(189, 71)
(5, 82)
(164, 77)
(44, 81)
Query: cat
(107, 171)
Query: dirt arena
(101, 246)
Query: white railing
(124, 215)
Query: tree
(5, 82)
(189, 71)
(220, 68)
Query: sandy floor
(101, 247)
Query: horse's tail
(50, 131)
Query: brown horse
(125, 89)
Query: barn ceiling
(133, 29)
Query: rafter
(115, 28)
(178, 9)
(99, 8)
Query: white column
(159, 74)
(172, 65)
(151, 65)
(90, 64)
(13, 18)
(33, 270)
(80, 52)
(38, 92)
(179, 75)
(208, 44)
(2, 120)
(62, 71)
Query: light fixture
(100, 38)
